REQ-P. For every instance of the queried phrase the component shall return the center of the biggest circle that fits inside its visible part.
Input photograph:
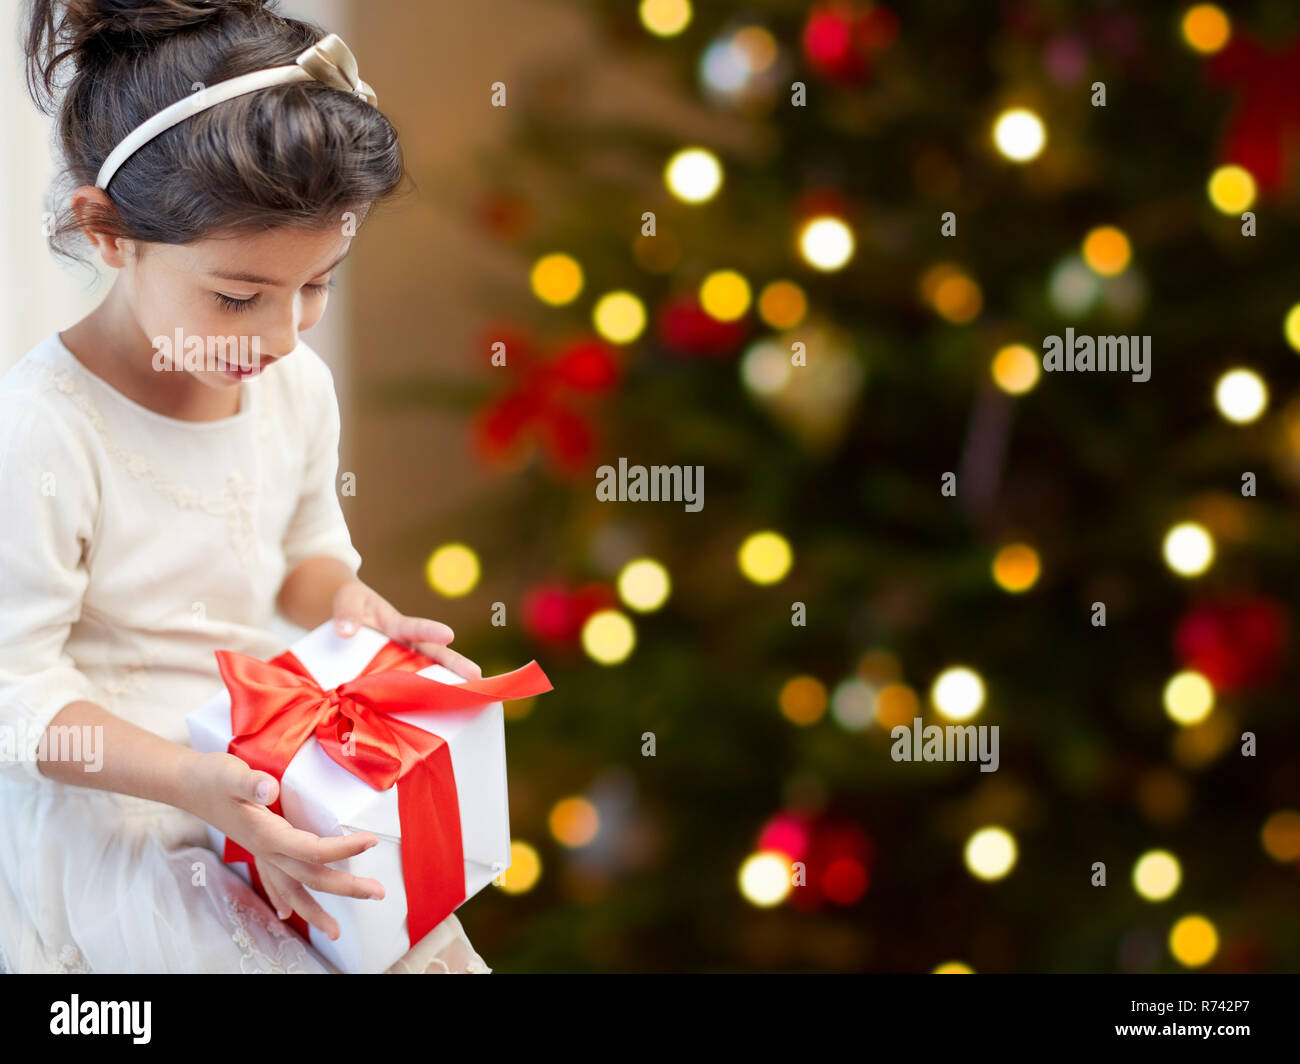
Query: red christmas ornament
(840, 38)
(552, 613)
(541, 409)
(687, 328)
(836, 855)
(1234, 643)
(1266, 119)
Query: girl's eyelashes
(239, 305)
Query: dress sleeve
(49, 496)
(317, 526)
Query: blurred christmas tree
(790, 305)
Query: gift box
(366, 734)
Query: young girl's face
(265, 288)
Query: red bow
(276, 706)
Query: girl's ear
(93, 209)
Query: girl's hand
(224, 791)
(355, 604)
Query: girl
(157, 509)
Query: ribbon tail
(433, 857)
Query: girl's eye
(320, 289)
(235, 305)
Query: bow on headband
(329, 60)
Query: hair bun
(86, 30)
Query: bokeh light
(1281, 835)
(725, 295)
(608, 637)
(765, 368)
(953, 968)
(524, 871)
(765, 878)
(1206, 28)
(1241, 396)
(665, 18)
(782, 304)
(1231, 189)
(896, 704)
(765, 557)
(991, 853)
(556, 279)
(853, 705)
(573, 822)
(1015, 369)
(1193, 941)
(1019, 134)
(1107, 251)
(1016, 567)
(1189, 698)
(1291, 327)
(693, 175)
(803, 700)
(1189, 549)
(643, 585)
(1156, 875)
(958, 693)
(826, 243)
(619, 317)
(452, 570)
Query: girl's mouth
(241, 374)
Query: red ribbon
(277, 705)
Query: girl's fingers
(329, 880)
(420, 630)
(317, 849)
(310, 910)
(449, 659)
(271, 879)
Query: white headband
(328, 60)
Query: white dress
(132, 546)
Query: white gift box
(319, 795)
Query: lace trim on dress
(235, 502)
(280, 964)
(71, 961)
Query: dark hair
(296, 155)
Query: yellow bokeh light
(693, 175)
(1193, 941)
(608, 637)
(765, 557)
(826, 243)
(958, 298)
(757, 45)
(1231, 189)
(452, 570)
(1291, 327)
(1189, 549)
(1015, 369)
(765, 878)
(1281, 835)
(1206, 28)
(1156, 875)
(957, 693)
(803, 700)
(1016, 567)
(1241, 396)
(518, 708)
(524, 871)
(573, 822)
(1019, 134)
(725, 295)
(1106, 250)
(953, 968)
(991, 853)
(643, 585)
(556, 279)
(782, 305)
(896, 704)
(665, 18)
(1189, 697)
(619, 317)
